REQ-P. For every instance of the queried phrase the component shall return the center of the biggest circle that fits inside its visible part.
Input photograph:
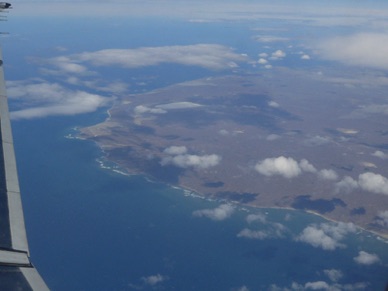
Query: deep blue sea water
(92, 229)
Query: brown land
(245, 119)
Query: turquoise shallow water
(93, 229)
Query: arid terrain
(266, 140)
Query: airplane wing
(16, 270)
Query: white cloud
(210, 56)
(175, 150)
(187, 161)
(373, 182)
(223, 132)
(286, 167)
(368, 181)
(346, 185)
(256, 217)
(262, 61)
(305, 57)
(263, 55)
(382, 218)
(318, 285)
(253, 234)
(154, 279)
(271, 230)
(365, 258)
(306, 166)
(290, 168)
(327, 174)
(163, 108)
(141, 109)
(269, 38)
(177, 156)
(178, 105)
(362, 49)
(47, 99)
(380, 155)
(222, 212)
(243, 288)
(326, 236)
(279, 54)
(273, 104)
(333, 274)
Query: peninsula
(267, 140)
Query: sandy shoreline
(194, 193)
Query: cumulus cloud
(333, 274)
(326, 236)
(272, 230)
(273, 104)
(254, 234)
(306, 166)
(279, 54)
(382, 218)
(361, 49)
(346, 185)
(210, 56)
(321, 285)
(178, 105)
(163, 108)
(178, 156)
(269, 230)
(175, 150)
(154, 279)
(141, 109)
(380, 155)
(222, 212)
(286, 167)
(290, 168)
(41, 99)
(195, 161)
(262, 61)
(373, 182)
(318, 285)
(365, 258)
(256, 217)
(269, 38)
(368, 181)
(305, 57)
(327, 174)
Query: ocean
(91, 228)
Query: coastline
(188, 191)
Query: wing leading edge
(16, 270)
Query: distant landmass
(282, 138)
